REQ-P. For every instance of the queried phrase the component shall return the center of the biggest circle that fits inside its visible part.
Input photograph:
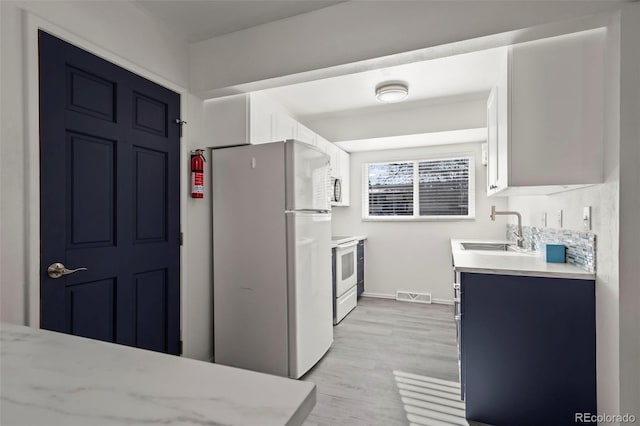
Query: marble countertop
(511, 262)
(52, 379)
(335, 240)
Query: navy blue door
(109, 182)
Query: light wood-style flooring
(377, 346)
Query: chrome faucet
(518, 233)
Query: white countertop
(52, 379)
(511, 262)
(346, 239)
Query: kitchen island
(49, 378)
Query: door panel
(91, 309)
(310, 321)
(90, 94)
(109, 168)
(151, 298)
(308, 180)
(91, 183)
(150, 195)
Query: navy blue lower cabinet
(333, 282)
(360, 271)
(528, 349)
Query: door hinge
(181, 238)
(181, 347)
(181, 123)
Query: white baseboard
(442, 301)
(379, 295)
(393, 296)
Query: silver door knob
(56, 270)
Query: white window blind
(420, 189)
(391, 189)
(444, 187)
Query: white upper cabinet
(344, 160)
(340, 169)
(239, 120)
(254, 118)
(306, 135)
(545, 116)
(492, 141)
(322, 143)
(285, 127)
(261, 119)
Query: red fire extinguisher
(197, 174)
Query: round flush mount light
(391, 91)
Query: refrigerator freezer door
(309, 286)
(308, 177)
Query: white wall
(408, 119)
(629, 209)
(604, 200)
(361, 33)
(414, 256)
(12, 202)
(123, 34)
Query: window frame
(416, 217)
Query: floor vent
(407, 296)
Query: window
(420, 189)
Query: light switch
(559, 218)
(543, 219)
(586, 217)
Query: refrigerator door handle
(308, 211)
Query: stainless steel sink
(485, 246)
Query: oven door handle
(347, 245)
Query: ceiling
(452, 76)
(197, 20)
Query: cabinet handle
(493, 186)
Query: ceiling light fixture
(391, 91)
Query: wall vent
(409, 296)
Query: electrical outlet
(543, 219)
(559, 218)
(586, 217)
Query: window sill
(420, 219)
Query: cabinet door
(260, 119)
(322, 143)
(492, 141)
(345, 170)
(333, 281)
(557, 99)
(226, 121)
(285, 127)
(520, 353)
(503, 129)
(333, 152)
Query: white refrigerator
(271, 257)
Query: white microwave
(336, 190)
